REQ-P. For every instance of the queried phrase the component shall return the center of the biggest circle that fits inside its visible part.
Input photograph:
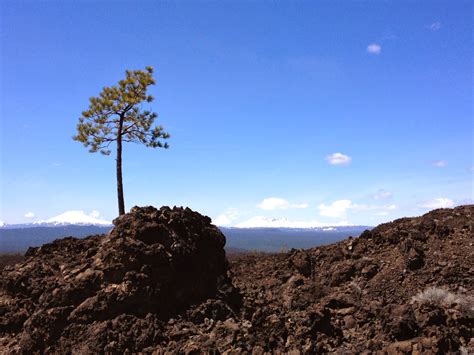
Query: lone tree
(116, 115)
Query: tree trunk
(121, 203)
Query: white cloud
(276, 203)
(76, 217)
(2, 223)
(439, 163)
(226, 218)
(339, 208)
(338, 159)
(441, 202)
(266, 222)
(29, 215)
(336, 209)
(382, 195)
(374, 48)
(435, 26)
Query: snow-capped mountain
(68, 218)
(75, 218)
(266, 222)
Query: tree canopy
(116, 115)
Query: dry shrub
(445, 298)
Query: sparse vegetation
(444, 298)
(356, 291)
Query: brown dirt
(159, 282)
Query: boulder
(155, 262)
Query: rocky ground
(9, 259)
(160, 282)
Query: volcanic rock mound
(404, 287)
(85, 295)
(159, 282)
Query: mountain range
(270, 237)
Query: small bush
(444, 298)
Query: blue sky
(258, 97)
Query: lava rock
(160, 283)
(153, 262)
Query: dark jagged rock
(360, 294)
(153, 265)
(159, 282)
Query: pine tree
(116, 115)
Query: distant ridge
(266, 222)
(17, 238)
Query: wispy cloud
(276, 203)
(440, 202)
(374, 48)
(266, 222)
(29, 215)
(435, 26)
(382, 195)
(379, 209)
(338, 159)
(439, 163)
(385, 208)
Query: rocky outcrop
(403, 287)
(160, 282)
(74, 294)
